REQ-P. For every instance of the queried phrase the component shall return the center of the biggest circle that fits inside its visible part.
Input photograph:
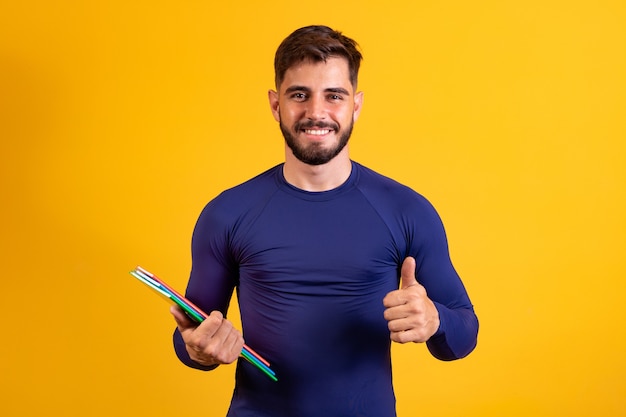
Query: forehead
(332, 73)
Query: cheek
(345, 116)
(290, 115)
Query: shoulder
(256, 186)
(407, 213)
(383, 190)
(233, 202)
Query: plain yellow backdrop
(119, 120)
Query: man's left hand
(411, 315)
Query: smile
(317, 132)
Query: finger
(211, 324)
(405, 302)
(182, 320)
(233, 345)
(407, 279)
(225, 343)
(393, 299)
(222, 332)
(408, 336)
(407, 273)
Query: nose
(315, 109)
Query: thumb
(407, 273)
(182, 320)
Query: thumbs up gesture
(411, 315)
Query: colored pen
(197, 315)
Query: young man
(316, 249)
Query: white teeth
(317, 132)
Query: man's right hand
(212, 342)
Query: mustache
(311, 124)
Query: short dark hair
(316, 44)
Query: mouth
(317, 132)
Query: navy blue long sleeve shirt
(311, 270)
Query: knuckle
(400, 337)
(212, 321)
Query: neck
(316, 178)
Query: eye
(335, 97)
(298, 96)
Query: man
(316, 249)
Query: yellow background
(119, 120)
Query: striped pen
(197, 315)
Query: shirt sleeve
(458, 329)
(213, 275)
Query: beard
(315, 153)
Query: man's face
(316, 107)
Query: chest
(338, 246)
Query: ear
(273, 98)
(358, 103)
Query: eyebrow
(338, 90)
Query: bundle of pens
(197, 315)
